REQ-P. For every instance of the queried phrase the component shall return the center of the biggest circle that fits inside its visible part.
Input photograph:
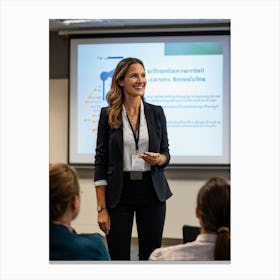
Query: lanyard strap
(137, 132)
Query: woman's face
(134, 82)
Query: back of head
(213, 202)
(63, 187)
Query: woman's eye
(135, 76)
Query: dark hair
(213, 202)
(63, 187)
(115, 96)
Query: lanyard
(137, 132)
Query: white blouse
(129, 147)
(202, 249)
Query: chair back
(190, 233)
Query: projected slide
(185, 78)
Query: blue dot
(104, 76)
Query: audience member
(65, 242)
(213, 213)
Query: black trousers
(139, 199)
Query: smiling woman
(131, 152)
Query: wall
(184, 183)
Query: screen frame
(227, 105)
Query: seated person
(213, 213)
(65, 243)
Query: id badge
(138, 163)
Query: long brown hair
(64, 186)
(115, 96)
(213, 202)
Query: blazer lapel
(119, 136)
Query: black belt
(135, 175)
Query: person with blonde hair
(132, 151)
(213, 213)
(64, 199)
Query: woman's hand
(104, 221)
(153, 158)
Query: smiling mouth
(139, 87)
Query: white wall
(58, 120)
(184, 183)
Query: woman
(213, 212)
(131, 153)
(65, 243)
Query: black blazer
(109, 154)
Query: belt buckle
(136, 175)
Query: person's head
(213, 212)
(128, 80)
(64, 191)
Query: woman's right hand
(104, 221)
